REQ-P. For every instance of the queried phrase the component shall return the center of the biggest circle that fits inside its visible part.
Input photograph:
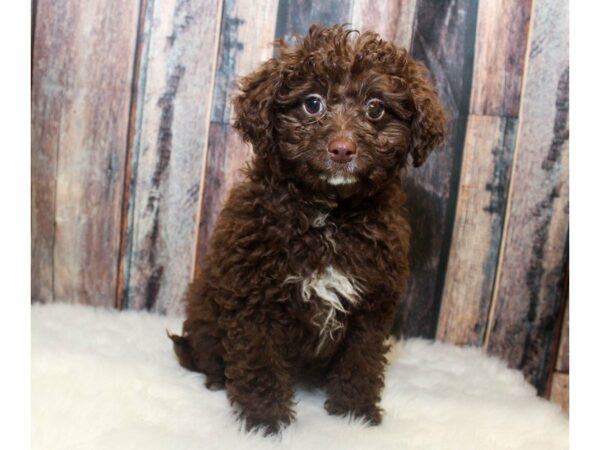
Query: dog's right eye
(313, 105)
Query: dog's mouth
(339, 174)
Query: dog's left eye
(375, 109)
(313, 104)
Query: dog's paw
(372, 414)
(214, 384)
(267, 425)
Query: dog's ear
(253, 106)
(429, 122)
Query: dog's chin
(342, 185)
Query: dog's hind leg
(199, 349)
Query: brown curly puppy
(309, 256)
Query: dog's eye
(313, 105)
(375, 109)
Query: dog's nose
(341, 150)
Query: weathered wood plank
(562, 360)
(174, 90)
(559, 391)
(131, 160)
(247, 32)
(444, 39)
(487, 158)
(80, 117)
(502, 31)
(528, 295)
(294, 17)
(47, 90)
(392, 20)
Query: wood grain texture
(487, 158)
(559, 391)
(247, 32)
(502, 30)
(294, 17)
(392, 20)
(48, 79)
(562, 359)
(526, 304)
(80, 118)
(444, 39)
(177, 64)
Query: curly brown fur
(309, 255)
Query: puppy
(309, 256)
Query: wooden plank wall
(133, 154)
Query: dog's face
(340, 112)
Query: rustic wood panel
(296, 16)
(527, 296)
(487, 158)
(80, 118)
(247, 31)
(559, 391)
(392, 20)
(502, 30)
(177, 63)
(48, 79)
(562, 359)
(444, 39)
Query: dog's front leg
(257, 379)
(355, 380)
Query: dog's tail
(183, 350)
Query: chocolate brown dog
(310, 253)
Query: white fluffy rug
(109, 380)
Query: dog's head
(340, 112)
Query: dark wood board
(502, 30)
(562, 359)
(444, 39)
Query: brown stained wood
(559, 390)
(79, 132)
(246, 36)
(562, 360)
(393, 20)
(174, 90)
(502, 29)
(527, 300)
(487, 158)
(126, 204)
(48, 79)
(444, 39)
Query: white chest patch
(332, 290)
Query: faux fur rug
(109, 380)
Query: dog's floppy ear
(429, 122)
(253, 106)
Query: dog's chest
(330, 296)
(330, 293)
